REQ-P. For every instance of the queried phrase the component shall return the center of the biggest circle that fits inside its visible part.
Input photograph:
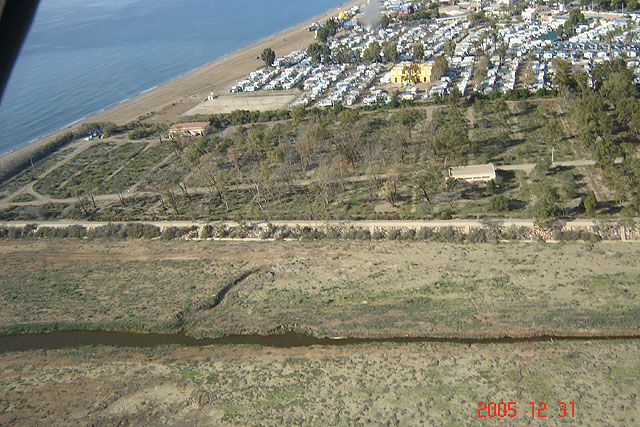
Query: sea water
(82, 56)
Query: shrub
(170, 233)
(514, 232)
(220, 231)
(377, 235)
(363, 234)
(349, 234)
(408, 235)
(150, 231)
(77, 231)
(333, 234)
(393, 234)
(446, 214)
(477, 235)
(590, 203)
(425, 233)
(499, 203)
(446, 234)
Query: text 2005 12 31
(536, 409)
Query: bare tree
(304, 148)
(430, 183)
(215, 179)
(389, 189)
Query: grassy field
(375, 384)
(328, 288)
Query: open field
(328, 288)
(379, 384)
(228, 103)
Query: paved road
(528, 167)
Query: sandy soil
(393, 384)
(169, 100)
(228, 103)
(328, 288)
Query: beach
(167, 101)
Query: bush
(446, 234)
(349, 234)
(103, 231)
(446, 214)
(393, 234)
(77, 231)
(377, 235)
(499, 203)
(363, 234)
(150, 231)
(220, 231)
(170, 233)
(477, 235)
(425, 233)
(207, 232)
(515, 233)
(408, 235)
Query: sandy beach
(170, 99)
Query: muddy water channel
(75, 339)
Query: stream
(76, 339)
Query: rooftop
(190, 125)
(475, 170)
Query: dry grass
(329, 288)
(405, 384)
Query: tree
(319, 53)
(322, 34)
(449, 48)
(605, 153)
(476, 18)
(439, 69)
(384, 21)
(528, 75)
(606, 70)
(372, 52)
(304, 149)
(343, 55)
(592, 121)
(389, 189)
(562, 73)
(590, 202)
(408, 117)
(480, 71)
(347, 136)
(451, 136)
(268, 56)
(541, 169)
(333, 26)
(430, 183)
(546, 209)
(499, 203)
(391, 52)
(418, 52)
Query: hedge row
(242, 231)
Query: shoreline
(167, 100)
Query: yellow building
(411, 73)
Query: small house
(188, 129)
(473, 174)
